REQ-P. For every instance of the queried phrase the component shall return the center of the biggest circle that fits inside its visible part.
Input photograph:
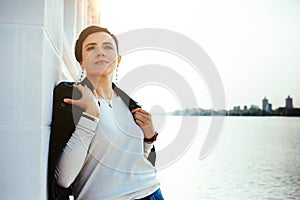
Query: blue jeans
(154, 196)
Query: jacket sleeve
(64, 117)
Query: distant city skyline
(254, 110)
(267, 105)
(255, 46)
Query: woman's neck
(103, 85)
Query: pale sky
(254, 44)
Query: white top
(107, 159)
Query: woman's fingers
(139, 122)
(68, 101)
(79, 86)
(86, 99)
(72, 101)
(139, 110)
(139, 114)
(142, 117)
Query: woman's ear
(119, 59)
(81, 64)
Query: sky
(254, 44)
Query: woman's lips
(101, 62)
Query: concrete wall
(36, 49)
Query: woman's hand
(88, 101)
(144, 120)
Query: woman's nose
(100, 51)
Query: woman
(105, 150)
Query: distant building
(289, 103)
(265, 104)
(254, 107)
(245, 108)
(269, 108)
(237, 108)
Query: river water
(255, 158)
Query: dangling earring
(117, 74)
(81, 74)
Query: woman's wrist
(88, 122)
(90, 117)
(151, 139)
(93, 111)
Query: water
(255, 158)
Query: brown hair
(86, 32)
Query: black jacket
(64, 119)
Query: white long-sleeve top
(107, 157)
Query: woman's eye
(90, 48)
(108, 47)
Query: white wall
(36, 53)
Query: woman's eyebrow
(92, 43)
(107, 43)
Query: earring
(117, 74)
(81, 74)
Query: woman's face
(99, 54)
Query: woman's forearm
(74, 154)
